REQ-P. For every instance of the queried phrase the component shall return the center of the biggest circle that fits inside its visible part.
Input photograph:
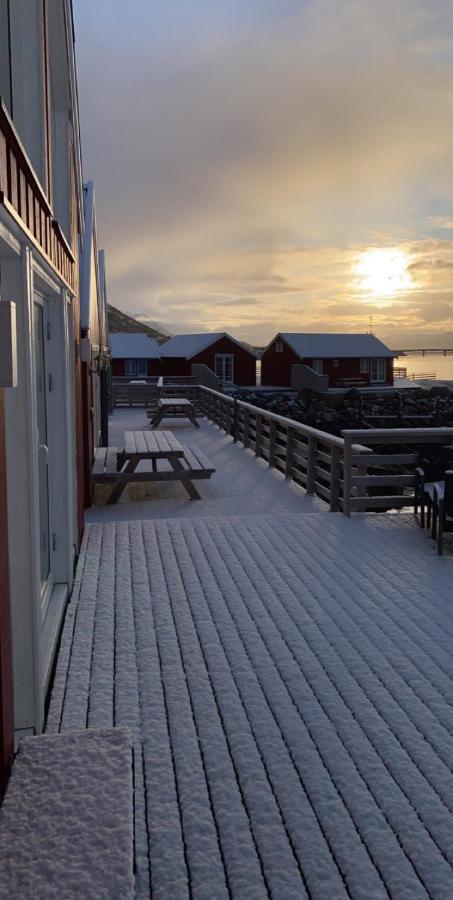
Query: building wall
(6, 671)
(276, 368)
(244, 362)
(39, 268)
(350, 368)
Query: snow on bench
(66, 824)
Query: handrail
(311, 458)
(359, 491)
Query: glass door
(224, 366)
(42, 450)
(377, 370)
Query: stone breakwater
(407, 408)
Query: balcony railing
(23, 197)
(340, 470)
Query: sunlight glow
(383, 272)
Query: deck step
(66, 824)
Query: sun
(383, 272)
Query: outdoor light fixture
(8, 344)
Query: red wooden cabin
(134, 355)
(347, 359)
(231, 361)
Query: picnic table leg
(118, 488)
(157, 419)
(186, 482)
(192, 417)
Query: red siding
(276, 368)
(6, 677)
(244, 371)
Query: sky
(273, 165)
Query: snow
(186, 346)
(324, 346)
(125, 345)
(66, 825)
(240, 484)
(287, 682)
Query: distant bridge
(444, 351)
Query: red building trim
(6, 672)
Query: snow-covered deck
(241, 484)
(287, 679)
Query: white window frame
(221, 358)
(279, 347)
(318, 366)
(378, 370)
(364, 366)
(336, 363)
(138, 368)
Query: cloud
(245, 153)
(441, 221)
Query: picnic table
(174, 408)
(186, 463)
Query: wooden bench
(193, 465)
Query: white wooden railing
(340, 470)
(360, 477)
(307, 456)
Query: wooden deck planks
(291, 695)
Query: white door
(377, 371)
(224, 366)
(43, 386)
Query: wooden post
(246, 427)
(347, 476)
(335, 475)
(235, 420)
(311, 464)
(259, 433)
(272, 436)
(289, 453)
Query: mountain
(120, 321)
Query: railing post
(335, 476)
(289, 453)
(258, 434)
(235, 420)
(272, 436)
(347, 476)
(311, 464)
(246, 427)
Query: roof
(127, 345)
(186, 346)
(339, 346)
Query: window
(377, 370)
(279, 347)
(336, 363)
(224, 366)
(133, 367)
(364, 366)
(317, 366)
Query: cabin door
(224, 366)
(43, 386)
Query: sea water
(434, 364)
